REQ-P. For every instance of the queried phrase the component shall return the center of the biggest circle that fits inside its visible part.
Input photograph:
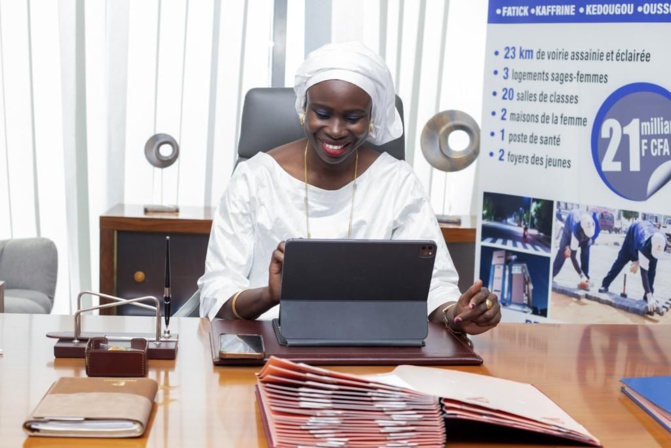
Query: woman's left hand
(476, 311)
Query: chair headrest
(269, 120)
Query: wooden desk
(577, 366)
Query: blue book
(653, 395)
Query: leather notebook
(93, 407)
(441, 348)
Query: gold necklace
(307, 207)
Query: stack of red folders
(308, 406)
(302, 405)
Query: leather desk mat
(441, 348)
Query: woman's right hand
(275, 273)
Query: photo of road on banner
(516, 222)
(610, 265)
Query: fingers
(477, 310)
(277, 259)
(477, 296)
(492, 317)
(488, 309)
(472, 291)
(482, 307)
(480, 319)
(275, 272)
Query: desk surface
(198, 404)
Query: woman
(329, 185)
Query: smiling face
(337, 118)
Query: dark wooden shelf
(132, 241)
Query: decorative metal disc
(435, 140)
(153, 153)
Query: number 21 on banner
(611, 129)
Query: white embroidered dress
(264, 205)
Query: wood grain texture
(198, 404)
(460, 233)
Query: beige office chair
(269, 120)
(29, 270)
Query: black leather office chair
(269, 120)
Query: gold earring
(301, 118)
(371, 128)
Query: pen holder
(103, 359)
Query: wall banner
(575, 163)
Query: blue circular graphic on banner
(631, 140)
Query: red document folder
(306, 405)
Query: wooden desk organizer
(73, 345)
(104, 359)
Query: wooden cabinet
(132, 253)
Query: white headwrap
(355, 63)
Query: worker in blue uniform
(580, 230)
(643, 245)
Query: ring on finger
(489, 304)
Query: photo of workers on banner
(578, 231)
(610, 265)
